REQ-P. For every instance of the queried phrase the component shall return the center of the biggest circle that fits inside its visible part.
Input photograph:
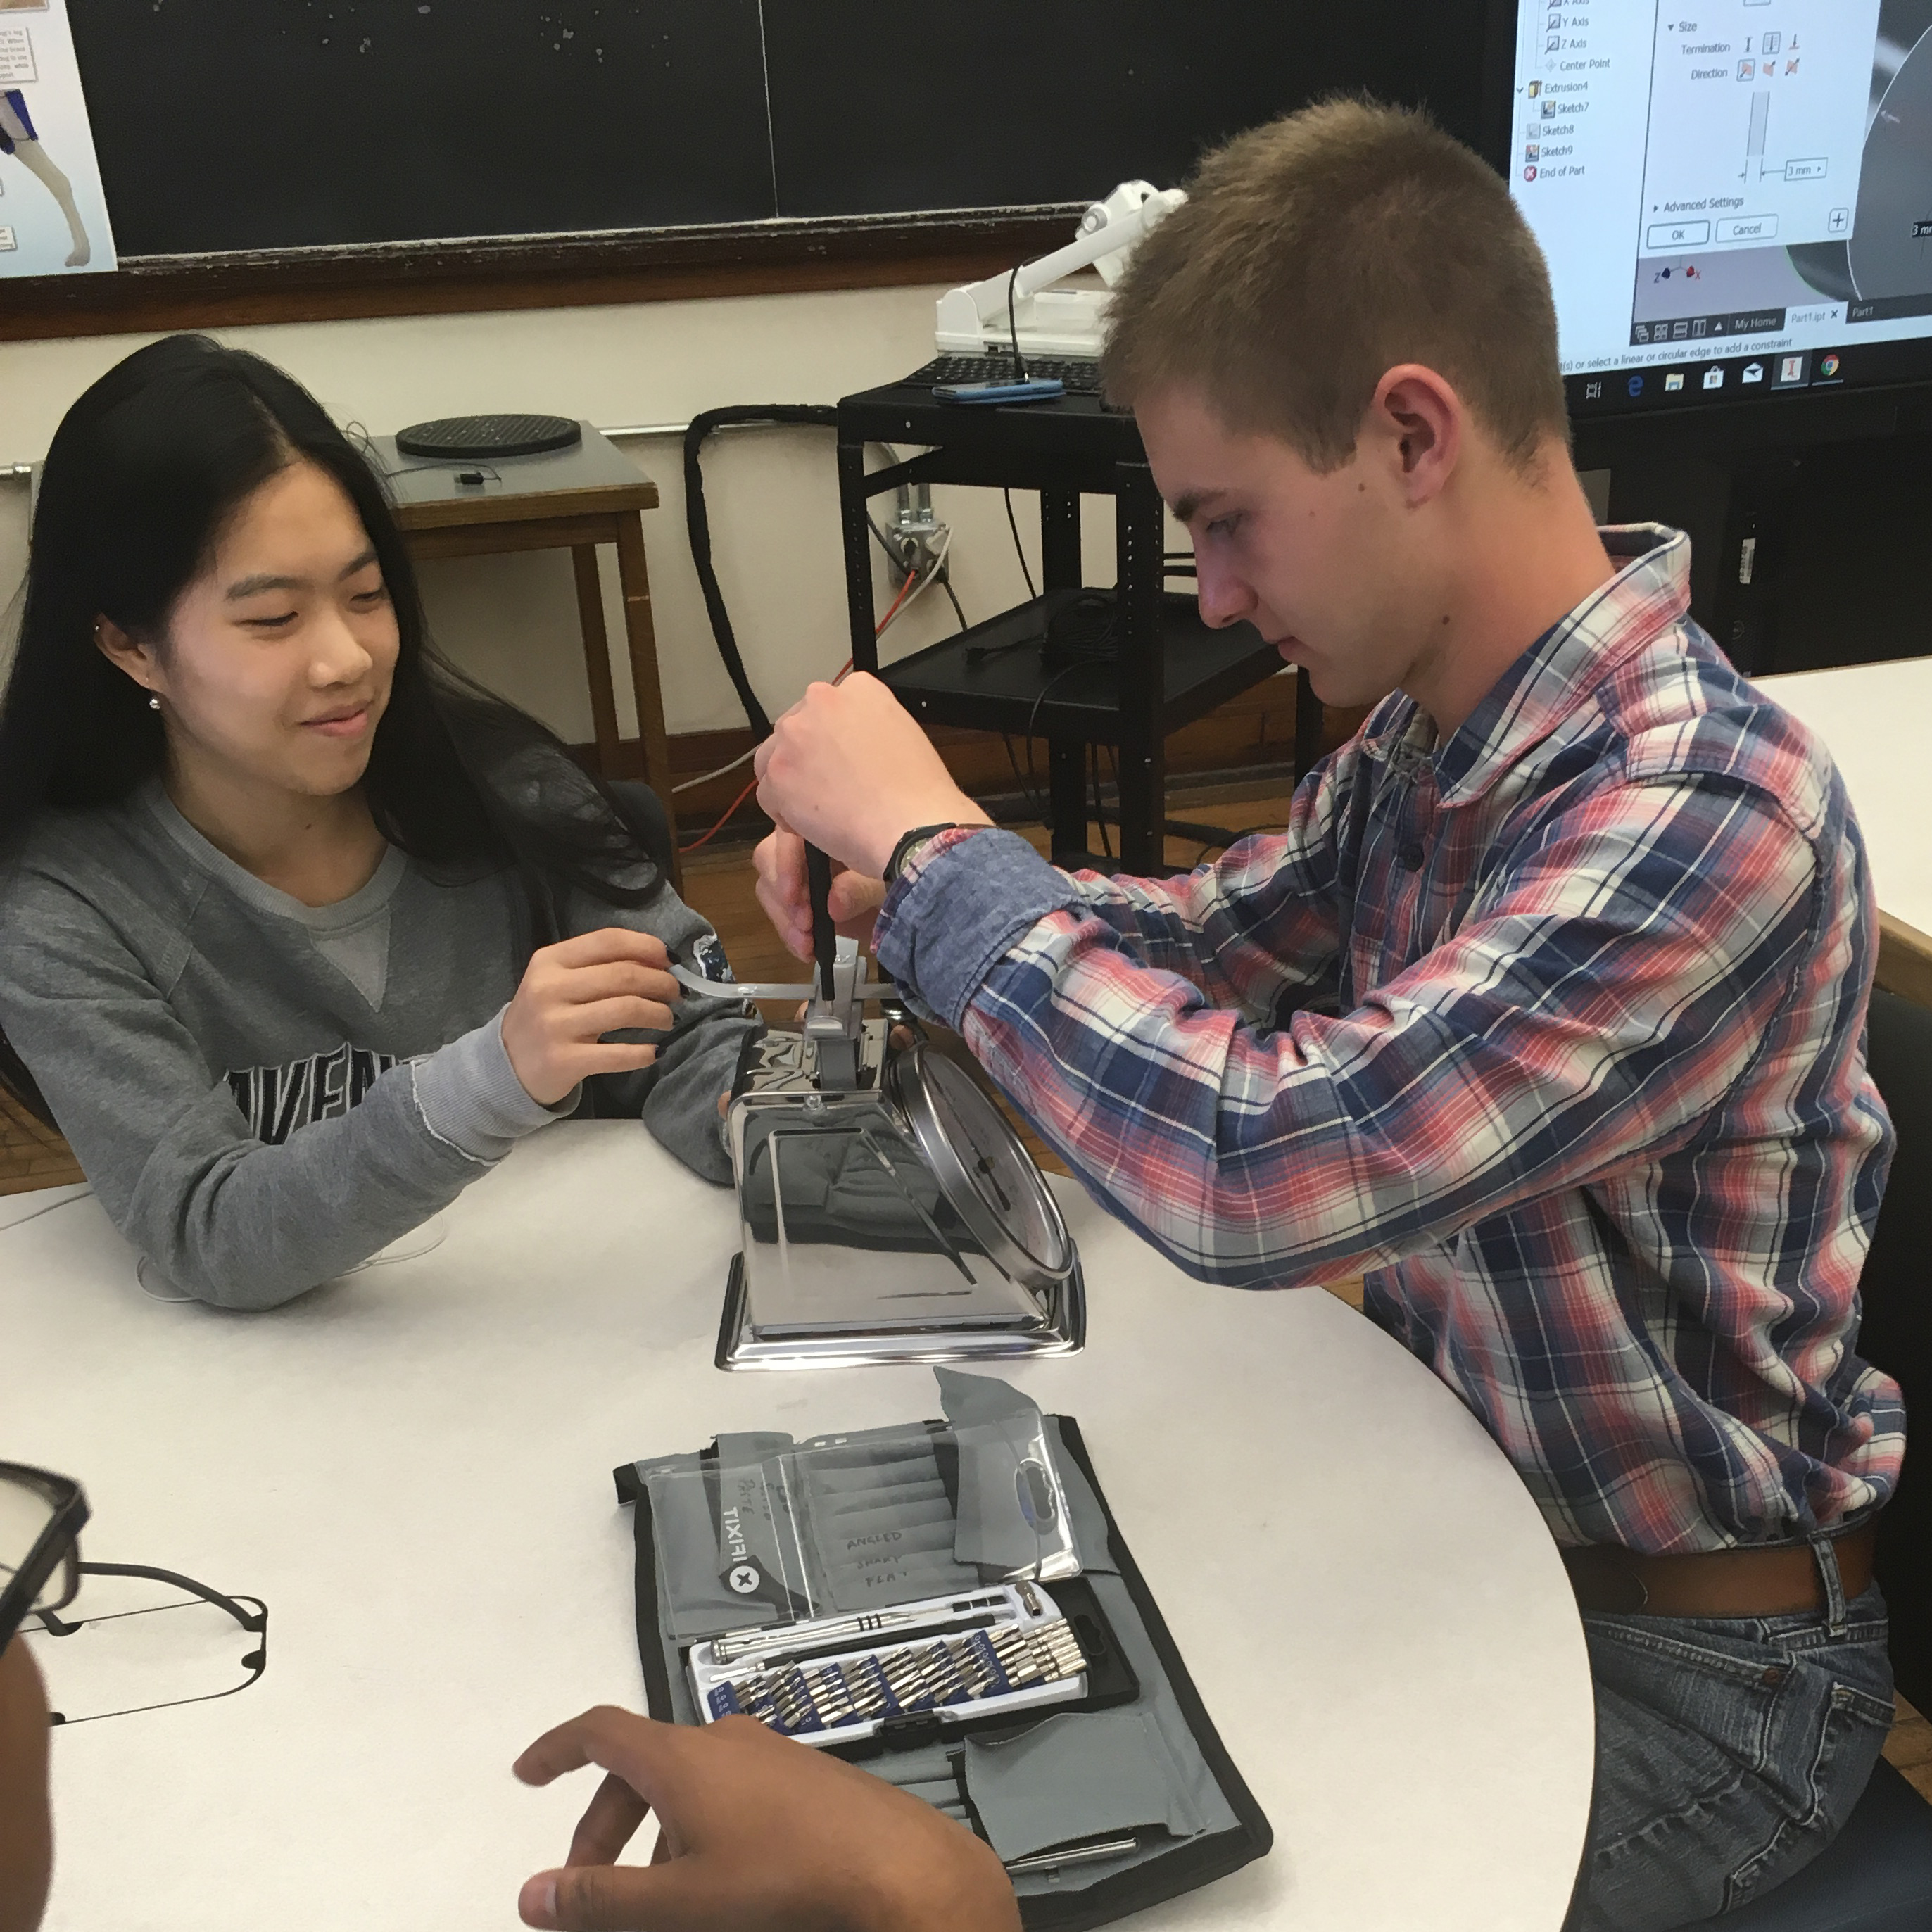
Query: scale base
(1063, 1332)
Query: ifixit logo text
(743, 1577)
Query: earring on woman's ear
(154, 704)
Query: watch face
(906, 846)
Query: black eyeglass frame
(58, 1544)
(255, 1621)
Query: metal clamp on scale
(888, 1212)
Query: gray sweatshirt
(263, 1093)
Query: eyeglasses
(41, 1515)
(41, 1519)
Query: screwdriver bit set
(842, 1680)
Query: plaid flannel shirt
(1554, 1031)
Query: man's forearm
(1266, 1154)
(1246, 932)
(962, 903)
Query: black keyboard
(1078, 374)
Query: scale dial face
(987, 1176)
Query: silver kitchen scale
(887, 1212)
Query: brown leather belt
(1780, 1581)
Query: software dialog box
(1757, 122)
(1746, 178)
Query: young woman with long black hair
(300, 931)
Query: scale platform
(892, 1216)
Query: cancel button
(1748, 228)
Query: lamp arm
(989, 297)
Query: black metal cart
(1167, 668)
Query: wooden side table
(573, 499)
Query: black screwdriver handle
(824, 934)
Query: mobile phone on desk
(1030, 389)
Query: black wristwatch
(902, 851)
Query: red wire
(905, 591)
(878, 630)
(720, 826)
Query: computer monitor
(1734, 197)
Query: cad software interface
(1733, 196)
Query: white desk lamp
(974, 320)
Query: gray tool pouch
(1099, 1808)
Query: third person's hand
(756, 1833)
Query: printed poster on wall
(53, 215)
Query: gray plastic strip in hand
(768, 989)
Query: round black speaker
(458, 439)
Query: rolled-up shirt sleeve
(1261, 923)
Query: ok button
(1677, 235)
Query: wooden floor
(718, 882)
(1910, 1748)
(31, 1156)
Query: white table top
(1873, 719)
(411, 1467)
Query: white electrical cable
(744, 757)
(919, 590)
(35, 1214)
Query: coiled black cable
(821, 416)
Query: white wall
(772, 494)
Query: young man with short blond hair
(1545, 1013)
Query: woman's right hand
(576, 991)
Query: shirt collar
(1652, 591)
(325, 921)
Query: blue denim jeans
(1729, 1753)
